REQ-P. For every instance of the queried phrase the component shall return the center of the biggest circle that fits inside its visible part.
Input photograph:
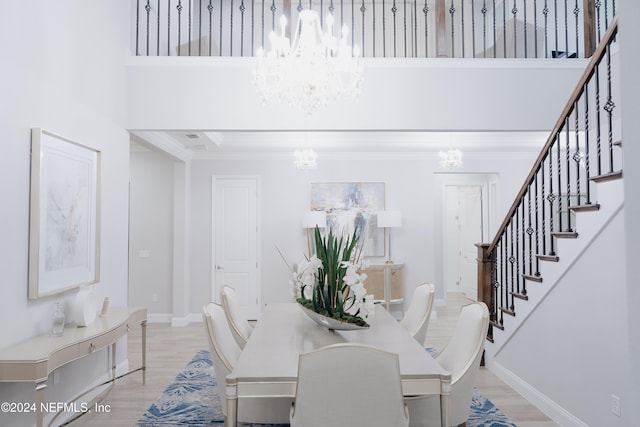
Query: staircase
(572, 191)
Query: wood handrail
(598, 55)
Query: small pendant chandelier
(451, 159)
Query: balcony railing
(381, 28)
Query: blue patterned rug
(193, 400)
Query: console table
(385, 282)
(34, 359)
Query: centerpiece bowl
(329, 322)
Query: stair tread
(585, 208)
(520, 295)
(607, 177)
(497, 325)
(508, 311)
(552, 258)
(533, 278)
(565, 234)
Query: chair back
(416, 319)
(240, 327)
(462, 357)
(351, 385)
(223, 347)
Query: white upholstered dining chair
(416, 319)
(240, 326)
(461, 357)
(224, 354)
(349, 385)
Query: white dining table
(268, 364)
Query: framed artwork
(350, 206)
(64, 218)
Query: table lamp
(389, 219)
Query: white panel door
(470, 214)
(235, 240)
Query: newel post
(441, 32)
(590, 42)
(485, 266)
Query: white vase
(85, 307)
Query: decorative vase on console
(85, 307)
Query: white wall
(72, 86)
(573, 347)
(285, 196)
(151, 236)
(630, 64)
(402, 94)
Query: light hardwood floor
(170, 349)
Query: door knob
(219, 267)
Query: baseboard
(184, 321)
(554, 411)
(173, 320)
(159, 317)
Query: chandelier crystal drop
(314, 71)
(451, 158)
(305, 159)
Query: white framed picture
(64, 219)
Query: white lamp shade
(389, 219)
(313, 219)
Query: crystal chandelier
(313, 72)
(451, 158)
(305, 159)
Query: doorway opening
(468, 217)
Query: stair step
(565, 234)
(552, 258)
(585, 208)
(618, 143)
(497, 325)
(520, 295)
(508, 311)
(607, 177)
(537, 279)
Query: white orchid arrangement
(330, 282)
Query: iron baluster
(576, 12)
(495, 36)
(394, 9)
(452, 11)
(179, 9)
(545, 12)
(587, 160)
(362, 10)
(404, 25)
(168, 27)
(578, 156)
(158, 30)
(551, 198)
(210, 9)
(559, 171)
(608, 107)
(425, 11)
(535, 27)
(514, 12)
(567, 155)
(147, 8)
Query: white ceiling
(212, 143)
